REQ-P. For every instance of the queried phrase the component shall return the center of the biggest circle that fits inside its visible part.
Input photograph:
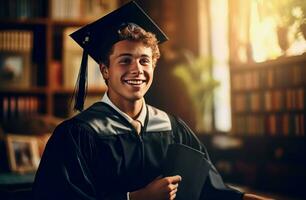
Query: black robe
(98, 155)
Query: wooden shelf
(265, 112)
(36, 21)
(80, 22)
(70, 91)
(45, 21)
(281, 61)
(32, 90)
(243, 91)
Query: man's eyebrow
(145, 55)
(124, 54)
(129, 54)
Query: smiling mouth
(134, 82)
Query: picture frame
(23, 153)
(15, 70)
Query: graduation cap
(97, 38)
(191, 165)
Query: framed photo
(15, 70)
(23, 153)
(42, 142)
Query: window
(219, 52)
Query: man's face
(130, 71)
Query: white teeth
(134, 82)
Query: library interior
(232, 70)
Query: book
(19, 106)
(22, 9)
(80, 9)
(191, 165)
(66, 9)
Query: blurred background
(234, 70)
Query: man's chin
(136, 97)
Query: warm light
(220, 54)
(264, 38)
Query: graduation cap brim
(191, 165)
(96, 38)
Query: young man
(114, 149)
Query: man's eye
(125, 61)
(145, 61)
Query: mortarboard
(97, 37)
(191, 165)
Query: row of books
(77, 9)
(284, 124)
(60, 9)
(272, 100)
(16, 41)
(269, 78)
(26, 106)
(22, 9)
(19, 106)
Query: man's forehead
(131, 48)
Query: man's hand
(159, 189)
(254, 197)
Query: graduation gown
(98, 155)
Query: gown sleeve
(66, 170)
(214, 187)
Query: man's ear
(104, 71)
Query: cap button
(86, 39)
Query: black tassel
(81, 84)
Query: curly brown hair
(133, 32)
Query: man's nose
(136, 67)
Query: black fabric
(82, 84)
(98, 155)
(214, 187)
(191, 165)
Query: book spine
(19, 106)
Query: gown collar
(141, 118)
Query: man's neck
(131, 108)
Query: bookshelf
(269, 98)
(268, 126)
(41, 26)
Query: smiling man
(114, 149)
(129, 74)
